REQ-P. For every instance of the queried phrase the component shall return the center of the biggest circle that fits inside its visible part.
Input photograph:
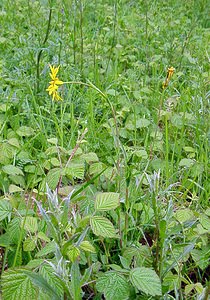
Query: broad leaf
(106, 201)
(186, 162)
(14, 230)
(75, 281)
(39, 281)
(75, 170)
(146, 280)
(17, 285)
(30, 224)
(141, 123)
(53, 177)
(29, 244)
(87, 246)
(73, 253)
(113, 286)
(49, 248)
(102, 226)
(183, 215)
(5, 209)
(12, 170)
(54, 281)
(25, 131)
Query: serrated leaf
(14, 230)
(183, 215)
(102, 227)
(75, 281)
(29, 244)
(25, 131)
(17, 285)
(12, 170)
(201, 257)
(75, 170)
(53, 141)
(113, 285)
(42, 236)
(6, 151)
(54, 281)
(73, 253)
(107, 201)
(96, 168)
(186, 162)
(49, 248)
(5, 240)
(141, 123)
(53, 177)
(146, 280)
(205, 221)
(39, 281)
(89, 157)
(30, 224)
(55, 162)
(14, 142)
(5, 209)
(34, 263)
(15, 189)
(87, 246)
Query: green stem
(41, 50)
(167, 150)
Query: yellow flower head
(170, 73)
(54, 83)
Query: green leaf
(52, 279)
(53, 141)
(113, 286)
(89, 157)
(42, 283)
(17, 285)
(87, 246)
(29, 244)
(146, 280)
(75, 281)
(53, 177)
(34, 263)
(25, 131)
(5, 209)
(102, 226)
(6, 151)
(14, 230)
(205, 221)
(73, 253)
(186, 162)
(14, 142)
(106, 201)
(42, 236)
(183, 215)
(5, 240)
(30, 224)
(49, 248)
(141, 123)
(75, 170)
(201, 257)
(12, 170)
(15, 189)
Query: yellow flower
(54, 83)
(170, 73)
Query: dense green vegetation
(104, 195)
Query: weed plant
(104, 183)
